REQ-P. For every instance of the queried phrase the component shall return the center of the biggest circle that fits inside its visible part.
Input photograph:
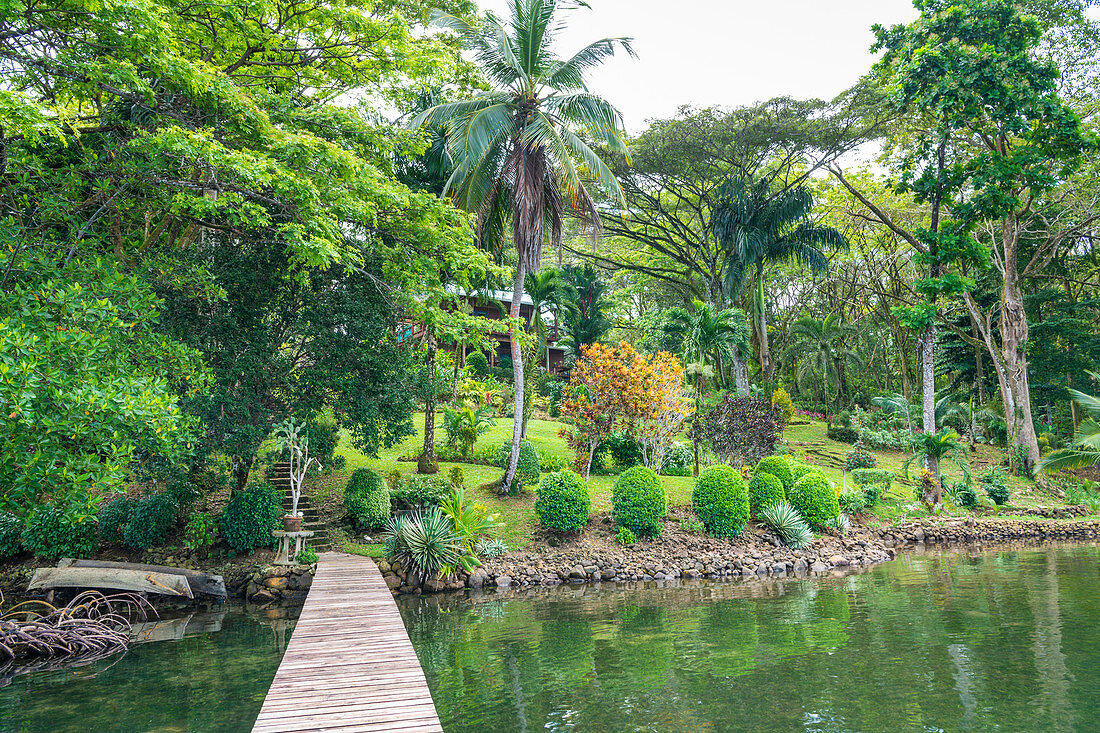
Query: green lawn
(807, 439)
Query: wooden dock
(349, 665)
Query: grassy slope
(517, 513)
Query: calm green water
(1006, 641)
(209, 680)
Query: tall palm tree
(517, 158)
(759, 228)
(706, 334)
(1085, 450)
(821, 355)
(586, 319)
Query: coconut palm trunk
(517, 380)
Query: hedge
(367, 499)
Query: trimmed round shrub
(778, 466)
(800, 469)
(152, 518)
(50, 534)
(367, 499)
(113, 518)
(638, 501)
(527, 469)
(814, 498)
(478, 364)
(11, 531)
(765, 489)
(721, 501)
(250, 517)
(562, 501)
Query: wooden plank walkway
(349, 665)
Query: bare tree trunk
(517, 382)
(740, 371)
(928, 402)
(428, 463)
(767, 366)
(1014, 334)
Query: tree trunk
(427, 462)
(767, 367)
(928, 403)
(517, 382)
(1014, 334)
(740, 372)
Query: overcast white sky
(726, 52)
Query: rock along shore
(680, 554)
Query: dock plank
(349, 665)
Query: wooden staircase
(310, 518)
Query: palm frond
(1068, 459)
(570, 73)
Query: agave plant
(1085, 449)
(491, 548)
(788, 524)
(426, 541)
(840, 523)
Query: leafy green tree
(517, 157)
(759, 228)
(88, 381)
(995, 139)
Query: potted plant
(289, 436)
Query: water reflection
(1003, 639)
(206, 671)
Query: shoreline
(680, 555)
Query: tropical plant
(66, 528)
(1084, 452)
(152, 518)
(491, 547)
(721, 501)
(639, 502)
(897, 404)
(995, 483)
(527, 467)
(853, 502)
(200, 532)
(11, 531)
(858, 457)
(417, 491)
(933, 448)
(874, 482)
(516, 155)
(464, 425)
(820, 352)
(307, 556)
(563, 502)
(708, 337)
(758, 227)
(787, 523)
(781, 401)
(426, 542)
(586, 304)
(840, 523)
(471, 522)
(113, 518)
(742, 429)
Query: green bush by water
(250, 517)
(11, 532)
(639, 502)
(113, 518)
(721, 501)
(152, 518)
(367, 499)
(52, 533)
(765, 489)
(563, 502)
(814, 498)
